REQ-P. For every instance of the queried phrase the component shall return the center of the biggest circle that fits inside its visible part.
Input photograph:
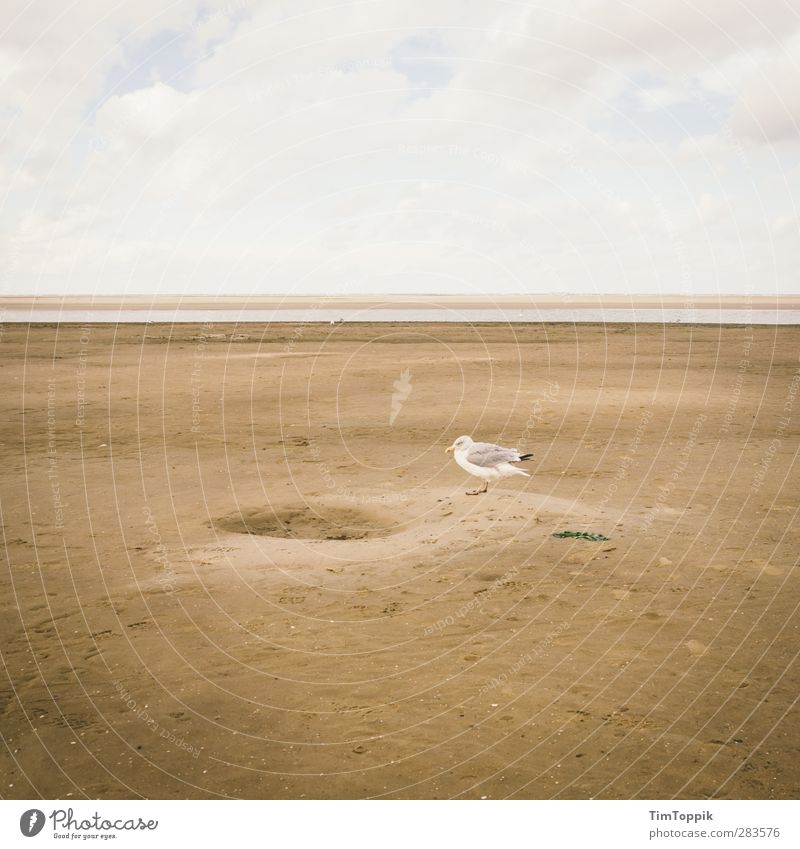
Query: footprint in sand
(696, 648)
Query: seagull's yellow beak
(449, 450)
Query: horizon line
(575, 300)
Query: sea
(583, 315)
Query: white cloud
(768, 107)
(289, 145)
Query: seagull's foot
(478, 491)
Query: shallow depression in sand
(310, 522)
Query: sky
(399, 146)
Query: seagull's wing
(488, 456)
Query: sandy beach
(238, 563)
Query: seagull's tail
(513, 470)
(524, 457)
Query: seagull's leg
(479, 491)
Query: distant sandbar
(299, 302)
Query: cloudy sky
(399, 146)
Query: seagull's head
(461, 444)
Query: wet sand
(238, 563)
(350, 302)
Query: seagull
(487, 461)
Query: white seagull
(486, 461)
